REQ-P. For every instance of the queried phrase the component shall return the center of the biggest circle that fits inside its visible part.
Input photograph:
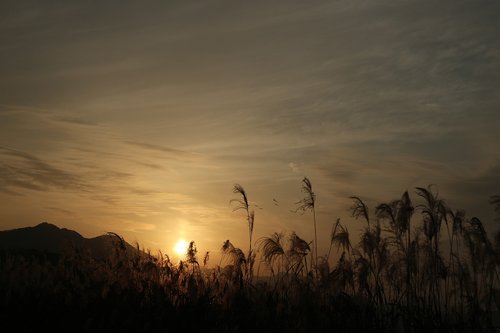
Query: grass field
(422, 268)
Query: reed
(424, 267)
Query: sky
(138, 117)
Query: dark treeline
(416, 268)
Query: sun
(180, 247)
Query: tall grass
(417, 267)
(308, 203)
(243, 204)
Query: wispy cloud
(74, 121)
(22, 170)
(61, 211)
(167, 151)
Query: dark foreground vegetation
(416, 268)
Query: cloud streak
(22, 170)
(166, 151)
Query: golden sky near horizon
(139, 117)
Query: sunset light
(246, 166)
(180, 247)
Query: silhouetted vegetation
(417, 267)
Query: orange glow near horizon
(115, 131)
(181, 247)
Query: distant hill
(49, 238)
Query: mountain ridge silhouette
(47, 237)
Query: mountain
(49, 238)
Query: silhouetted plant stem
(308, 203)
(243, 204)
(315, 239)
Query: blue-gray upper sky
(138, 117)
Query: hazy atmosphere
(139, 117)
